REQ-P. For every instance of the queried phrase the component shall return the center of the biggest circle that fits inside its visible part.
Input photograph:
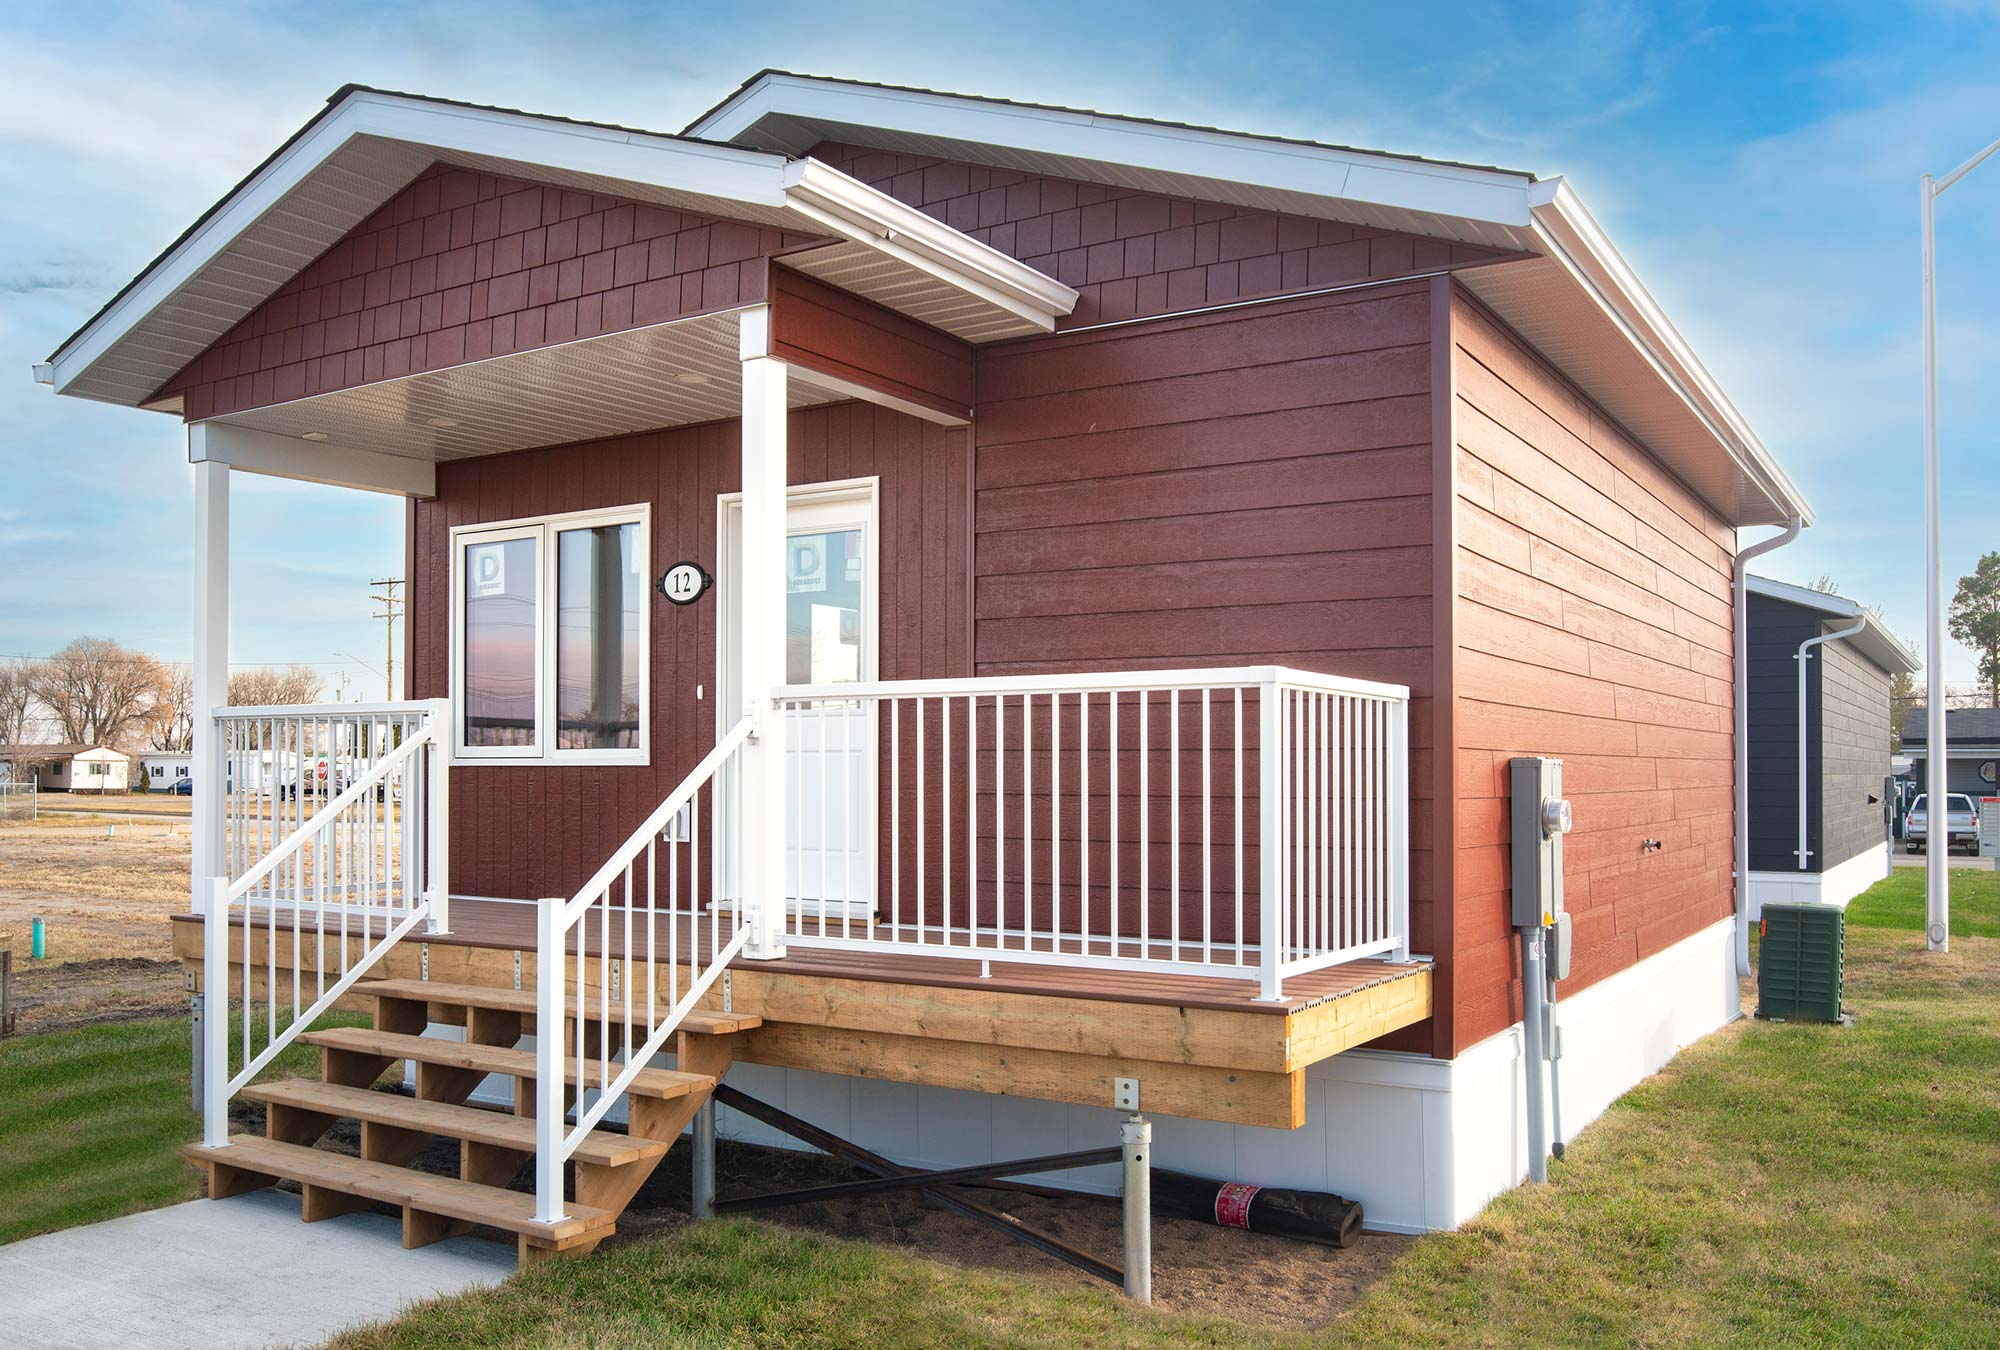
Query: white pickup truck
(1961, 823)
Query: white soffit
(1576, 298)
(369, 145)
(613, 385)
(1874, 641)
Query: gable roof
(1575, 298)
(1963, 727)
(367, 144)
(1874, 641)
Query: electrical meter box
(1541, 817)
(1989, 827)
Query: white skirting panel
(1422, 1143)
(1836, 886)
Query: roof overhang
(1575, 297)
(367, 145)
(1874, 641)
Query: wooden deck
(1201, 1047)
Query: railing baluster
(1111, 830)
(895, 819)
(1174, 816)
(923, 866)
(1027, 823)
(944, 798)
(972, 820)
(1145, 831)
(1242, 944)
(1000, 821)
(1083, 821)
(1055, 823)
(1207, 849)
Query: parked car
(183, 787)
(1961, 823)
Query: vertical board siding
(460, 266)
(1236, 488)
(1138, 254)
(1593, 623)
(1776, 630)
(531, 831)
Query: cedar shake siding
(1136, 254)
(460, 266)
(1234, 488)
(1593, 623)
(532, 831)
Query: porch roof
(368, 144)
(1575, 297)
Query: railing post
(1399, 828)
(215, 1013)
(1270, 839)
(760, 881)
(550, 960)
(437, 810)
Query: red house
(984, 616)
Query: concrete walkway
(237, 1274)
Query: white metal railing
(1120, 820)
(334, 826)
(659, 904)
(19, 801)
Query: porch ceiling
(670, 374)
(367, 145)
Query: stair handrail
(557, 917)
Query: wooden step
(663, 1084)
(701, 1021)
(457, 1122)
(512, 1211)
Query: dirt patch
(51, 997)
(103, 890)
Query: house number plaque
(685, 583)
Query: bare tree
(268, 686)
(98, 692)
(173, 715)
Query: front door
(831, 586)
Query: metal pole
(1136, 1134)
(1937, 766)
(1532, 1022)
(702, 1202)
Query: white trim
(544, 531)
(1876, 642)
(806, 198)
(1836, 886)
(275, 456)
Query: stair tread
(664, 1084)
(458, 1122)
(701, 1021)
(493, 1206)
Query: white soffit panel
(614, 385)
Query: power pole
(383, 592)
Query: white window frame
(544, 529)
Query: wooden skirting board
(1243, 1066)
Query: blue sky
(1757, 163)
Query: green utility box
(1801, 962)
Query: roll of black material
(1312, 1216)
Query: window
(549, 642)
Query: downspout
(1805, 655)
(1741, 638)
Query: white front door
(831, 587)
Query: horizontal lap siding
(1592, 623)
(461, 266)
(1854, 750)
(1138, 254)
(1230, 489)
(525, 832)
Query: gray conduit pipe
(1741, 640)
(1805, 655)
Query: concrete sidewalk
(237, 1274)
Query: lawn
(1898, 902)
(92, 1120)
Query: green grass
(92, 1120)
(1898, 902)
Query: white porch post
(762, 658)
(210, 1049)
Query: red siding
(1234, 488)
(1133, 253)
(828, 330)
(1593, 623)
(527, 832)
(460, 266)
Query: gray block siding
(1854, 749)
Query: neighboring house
(1208, 518)
(1972, 740)
(1820, 827)
(70, 768)
(163, 768)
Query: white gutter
(1741, 638)
(1805, 655)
